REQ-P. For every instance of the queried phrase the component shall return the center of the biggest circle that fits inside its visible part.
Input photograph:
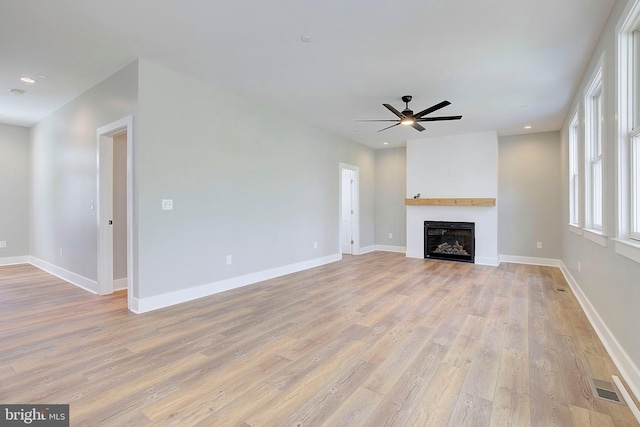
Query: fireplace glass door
(449, 240)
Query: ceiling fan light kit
(407, 118)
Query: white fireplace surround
(457, 166)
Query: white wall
(14, 193)
(448, 167)
(64, 176)
(245, 180)
(608, 282)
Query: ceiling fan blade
(389, 127)
(394, 111)
(431, 109)
(377, 120)
(435, 119)
(417, 127)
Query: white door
(346, 217)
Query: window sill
(575, 229)
(628, 248)
(595, 236)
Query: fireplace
(449, 240)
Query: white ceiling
(503, 64)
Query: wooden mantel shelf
(451, 202)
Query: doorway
(115, 208)
(349, 214)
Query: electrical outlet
(315, 245)
(578, 266)
(167, 204)
(61, 252)
(3, 244)
(391, 235)
(539, 245)
(229, 260)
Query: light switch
(167, 204)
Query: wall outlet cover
(167, 204)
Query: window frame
(594, 153)
(574, 171)
(627, 241)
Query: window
(628, 133)
(594, 163)
(634, 232)
(574, 188)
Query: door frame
(355, 201)
(105, 135)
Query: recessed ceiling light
(17, 91)
(27, 79)
(385, 143)
(527, 127)
(42, 76)
(305, 39)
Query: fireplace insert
(449, 240)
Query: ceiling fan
(407, 118)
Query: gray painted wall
(610, 281)
(14, 190)
(245, 180)
(391, 187)
(529, 195)
(64, 170)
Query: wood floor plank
(372, 340)
(470, 411)
(511, 403)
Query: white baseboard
(365, 250)
(389, 248)
(483, 260)
(143, 305)
(73, 278)
(14, 260)
(120, 284)
(549, 262)
(629, 370)
(414, 254)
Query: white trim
(66, 275)
(482, 260)
(12, 260)
(595, 236)
(105, 136)
(620, 358)
(143, 305)
(389, 248)
(628, 249)
(595, 88)
(549, 262)
(120, 284)
(575, 229)
(414, 254)
(355, 201)
(627, 398)
(365, 250)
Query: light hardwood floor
(373, 340)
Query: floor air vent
(605, 390)
(561, 290)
